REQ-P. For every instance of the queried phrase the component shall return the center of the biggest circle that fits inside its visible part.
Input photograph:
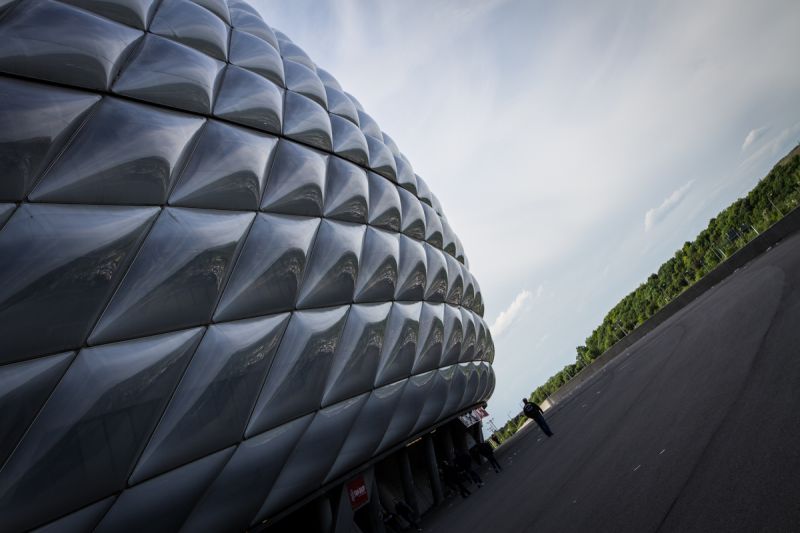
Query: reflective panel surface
(222, 288)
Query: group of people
(458, 473)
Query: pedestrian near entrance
(454, 479)
(486, 450)
(463, 462)
(535, 412)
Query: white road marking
(584, 405)
(637, 468)
(662, 451)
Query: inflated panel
(223, 287)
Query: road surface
(695, 428)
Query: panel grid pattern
(222, 286)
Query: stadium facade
(226, 300)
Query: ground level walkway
(695, 428)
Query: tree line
(773, 197)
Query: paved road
(695, 428)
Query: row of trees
(773, 197)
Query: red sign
(357, 492)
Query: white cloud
(511, 313)
(752, 137)
(657, 214)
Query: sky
(575, 146)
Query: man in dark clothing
(454, 479)
(535, 412)
(486, 450)
(463, 462)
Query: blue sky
(574, 145)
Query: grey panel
(269, 270)
(341, 105)
(437, 206)
(468, 298)
(80, 521)
(384, 203)
(84, 442)
(254, 54)
(455, 281)
(192, 25)
(246, 19)
(423, 191)
(390, 144)
(435, 400)
(172, 74)
(357, 355)
(436, 288)
(177, 276)
(433, 226)
(303, 80)
(6, 210)
(368, 429)
(296, 183)
(214, 399)
(125, 154)
(431, 338)
(328, 80)
(377, 276)
(355, 102)
(242, 486)
(309, 462)
(411, 405)
(24, 387)
(296, 381)
(60, 265)
(412, 273)
(453, 335)
(367, 123)
(412, 215)
(249, 99)
(489, 354)
(480, 342)
(405, 174)
(136, 13)
(347, 192)
(82, 49)
(400, 343)
(333, 265)
(483, 384)
(218, 7)
(348, 141)
(448, 238)
(227, 169)
(35, 123)
(468, 347)
(306, 121)
(471, 387)
(381, 159)
(457, 381)
(289, 50)
(163, 503)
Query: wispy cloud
(656, 214)
(511, 313)
(753, 136)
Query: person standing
(486, 450)
(532, 410)
(454, 479)
(463, 462)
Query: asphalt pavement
(696, 427)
